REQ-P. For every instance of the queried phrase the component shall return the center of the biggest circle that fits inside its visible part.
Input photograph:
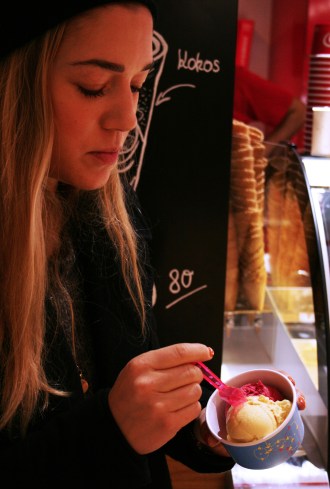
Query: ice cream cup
(275, 448)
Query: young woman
(87, 397)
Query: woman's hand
(157, 393)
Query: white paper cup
(321, 131)
(275, 448)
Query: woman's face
(102, 63)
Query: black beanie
(25, 20)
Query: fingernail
(211, 352)
(301, 401)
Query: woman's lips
(106, 157)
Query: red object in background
(245, 31)
(318, 90)
(293, 25)
(321, 39)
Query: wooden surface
(185, 478)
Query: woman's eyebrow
(107, 65)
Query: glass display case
(277, 309)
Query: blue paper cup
(275, 448)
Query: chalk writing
(181, 281)
(163, 96)
(196, 63)
(185, 296)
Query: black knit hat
(25, 20)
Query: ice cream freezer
(278, 293)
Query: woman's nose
(120, 113)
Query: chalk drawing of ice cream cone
(131, 159)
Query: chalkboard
(179, 164)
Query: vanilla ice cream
(256, 418)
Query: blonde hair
(26, 141)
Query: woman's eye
(91, 93)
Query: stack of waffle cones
(289, 223)
(246, 273)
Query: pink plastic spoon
(232, 395)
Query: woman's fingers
(157, 393)
(179, 354)
(171, 367)
(301, 401)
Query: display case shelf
(291, 331)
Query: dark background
(184, 183)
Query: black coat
(76, 443)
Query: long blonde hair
(26, 141)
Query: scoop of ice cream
(260, 389)
(256, 418)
